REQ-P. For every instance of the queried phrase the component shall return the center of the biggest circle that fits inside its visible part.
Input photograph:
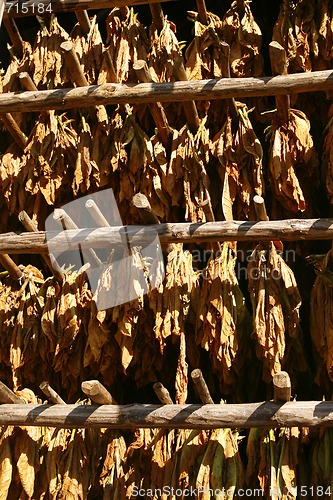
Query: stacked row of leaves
(71, 154)
(56, 333)
(80, 464)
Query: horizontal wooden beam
(112, 93)
(182, 232)
(18, 8)
(271, 414)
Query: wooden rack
(182, 232)
(266, 414)
(279, 413)
(112, 93)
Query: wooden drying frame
(181, 232)
(138, 93)
(73, 5)
(172, 416)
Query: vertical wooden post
(11, 125)
(50, 261)
(282, 387)
(279, 66)
(141, 69)
(97, 393)
(7, 396)
(201, 387)
(162, 393)
(84, 21)
(157, 15)
(14, 35)
(202, 12)
(189, 106)
(51, 394)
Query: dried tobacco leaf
(6, 462)
(244, 37)
(293, 161)
(296, 29)
(222, 317)
(276, 302)
(127, 42)
(89, 49)
(171, 301)
(47, 67)
(240, 166)
(204, 58)
(321, 319)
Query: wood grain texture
(269, 415)
(284, 230)
(112, 93)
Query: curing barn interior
(208, 126)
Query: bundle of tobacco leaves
(276, 302)
(276, 461)
(292, 162)
(204, 57)
(244, 37)
(45, 169)
(240, 154)
(321, 318)
(89, 50)
(297, 30)
(171, 303)
(320, 466)
(325, 54)
(126, 43)
(327, 152)
(48, 68)
(223, 325)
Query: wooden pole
(279, 64)
(96, 213)
(13, 34)
(162, 393)
(241, 8)
(73, 64)
(202, 12)
(282, 387)
(67, 223)
(51, 394)
(157, 15)
(8, 396)
(201, 387)
(189, 106)
(171, 416)
(84, 21)
(141, 203)
(97, 393)
(260, 208)
(74, 5)
(11, 125)
(182, 232)
(50, 261)
(113, 74)
(207, 209)
(13, 270)
(158, 113)
(27, 82)
(112, 93)
(75, 69)
(231, 103)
